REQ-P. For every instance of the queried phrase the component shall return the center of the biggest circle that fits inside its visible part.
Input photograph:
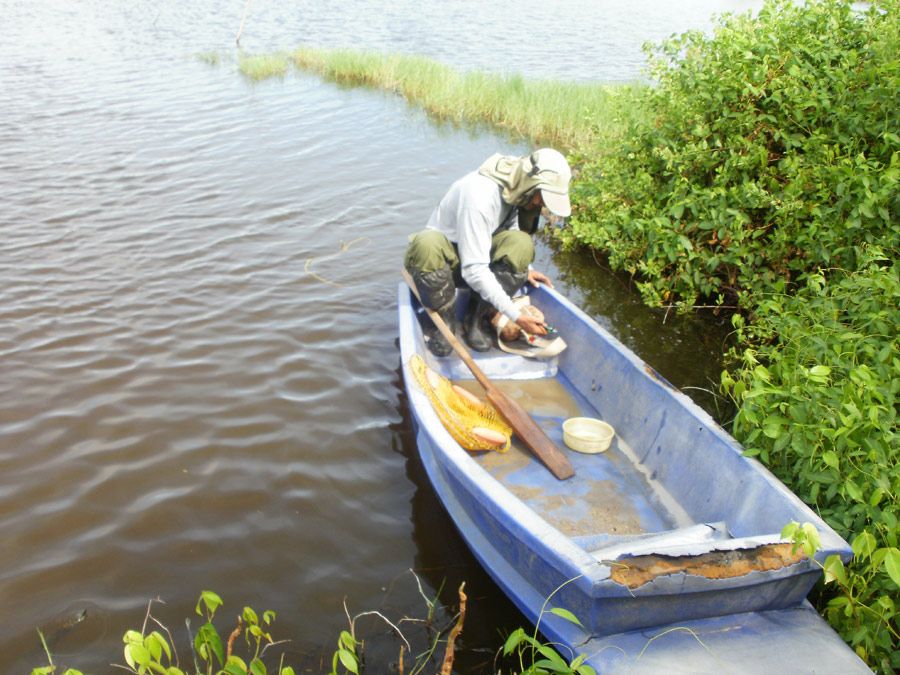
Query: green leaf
(250, 616)
(834, 570)
(788, 531)
(812, 542)
(133, 636)
(211, 600)
(162, 642)
(207, 635)
(257, 667)
(552, 656)
(566, 614)
(152, 643)
(234, 669)
(854, 491)
(514, 640)
(235, 660)
(892, 565)
(346, 640)
(864, 545)
(348, 659)
(137, 655)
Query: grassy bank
(545, 112)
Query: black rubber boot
(437, 291)
(479, 335)
(509, 280)
(437, 343)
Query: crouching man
(479, 236)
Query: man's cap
(552, 171)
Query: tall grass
(264, 66)
(563, 114)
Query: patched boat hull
(671, 526)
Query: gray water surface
(199, 375)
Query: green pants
(429, 251)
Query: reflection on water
(199, 381)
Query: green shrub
(150, 651)
(763, 176)
(820, 404)
(772, 150)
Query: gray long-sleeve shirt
(468, 215)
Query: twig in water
(447, 666)
(387, 621)
(243, 19)
(378, 614)
(344, 247)
(187, 623)
(422, 593)
(147, 615)
(234, 634)
(272, 644)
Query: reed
(563, 114)
(264, 66)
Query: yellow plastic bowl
(585, 434)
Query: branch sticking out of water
(243, 20)
(447, 666)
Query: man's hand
(535, 278)
(531, 325)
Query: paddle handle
(513, 413)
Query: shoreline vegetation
(565, 115)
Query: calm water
(199, 375)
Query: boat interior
(626, 500)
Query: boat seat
(497, 365)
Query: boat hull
(672, 526)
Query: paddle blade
(530, 433)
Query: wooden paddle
(515, 415)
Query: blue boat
(666, 547)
